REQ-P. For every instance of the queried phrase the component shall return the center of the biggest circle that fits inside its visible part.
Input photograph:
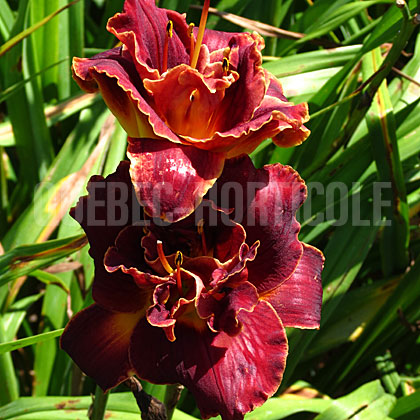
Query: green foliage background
(357, 64)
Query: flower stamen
(178, 262)
(200, 34)
(192, 40)
(225, 66)
(200, 230)
(169, 34)
(193, 95)
(162, 257)
(225, 61)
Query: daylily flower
(202, 95)
(204, 301)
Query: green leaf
(24, 259)
(382, 129)
(121, 406)
(359, 401)
(344, 255)
(311, 61)
(9, 388)
(280, 408)
(22, 35)
(12, 319)
(12, 90)
(50, 279)
(6, 19)
(384, 327)
(29, 341)
(407, 408)
(301, 87)
(33, 142)
(64, 181)
(357, 308)
(338, 17)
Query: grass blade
(382, 130)
(29, 341)
(24, 259)
(22, 35)
(9, 390)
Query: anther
(193, 94)
(225, 66)
(178, 261)
(200, 230)
(170, 28)
(200, 34)
(200, 226)
(169, 34)
(162, 257)
(179, 258)
(192, 41)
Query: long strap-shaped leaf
(22, 35)
(29, 341)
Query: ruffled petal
(142, 29)
(274, 117)
(241, 108)
(244, 97)
(170, 180)
(234, 272)
(216, 40)
(126, 251)
(128, 256)
(288, 129)
(98, 342)
(228, 375)
(298, 300)
(118, 291)
(270, 199)
(113, 73)
(225, 307)
(232, 121)
(170, 306)
(103, 213)
(229, 241)
(160, 316)
(106, 209)
(187, 102)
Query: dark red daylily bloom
(204, 301)
(220, 107)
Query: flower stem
(172, 395)
(150, 407)
(98, 407)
